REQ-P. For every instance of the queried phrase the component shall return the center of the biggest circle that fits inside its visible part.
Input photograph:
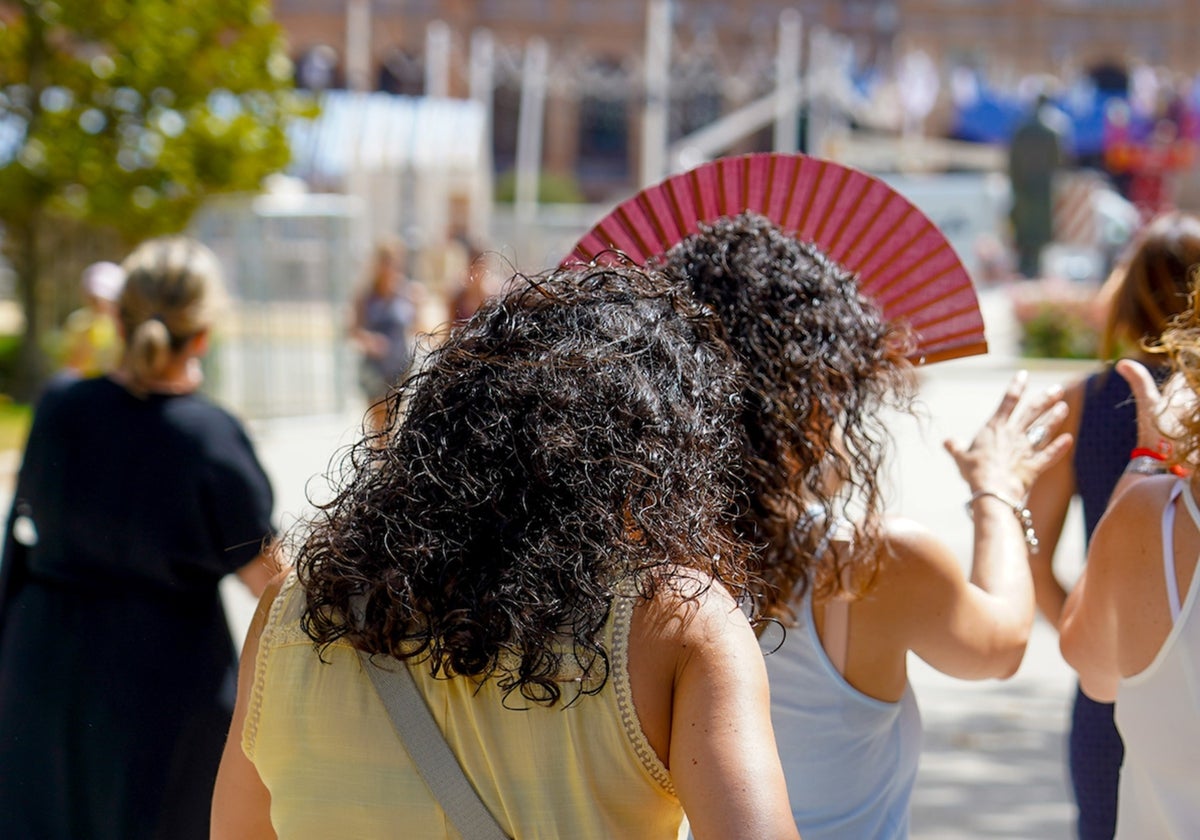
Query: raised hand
(1016, 444)
(1158, 411)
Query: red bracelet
(1158, 455)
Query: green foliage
(1057, 332)
(10, 346)
(129, 112)
(14, 424)
(117, 119)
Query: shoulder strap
(837, 632)
(426, 745)
(1168, 547)
(1172, 581)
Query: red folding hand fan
(903, 262)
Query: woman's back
(136, 497)
(850, 759)
(1158, 708)
(325, 747)
(545, 520)
(161, 493)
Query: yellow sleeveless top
(325, 748)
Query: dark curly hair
(575, 439)
(821, 363)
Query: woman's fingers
(1050, 453)
(1158, 411)
(1012, 396)
(1141, 383)
(1018, 442)
(1043, 408)
(1041, 421)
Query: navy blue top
(1107, 434)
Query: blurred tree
(118, 117)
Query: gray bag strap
(426, 745)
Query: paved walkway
(993, 761)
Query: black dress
(117, 670)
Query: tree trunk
(32, 369)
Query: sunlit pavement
(993, 760)
(993, 763)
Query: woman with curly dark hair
(859, 591)
(541, 537)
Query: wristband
(1145, 465)
(1146, 461)
(1024, 517)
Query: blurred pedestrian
(91, 339)
(475, 287)
(136, 496)
(384, 314)
(1034, 155)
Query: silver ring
(1036, 436)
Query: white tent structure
(421, 166)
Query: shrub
(1058, 319)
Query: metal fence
(281, 349)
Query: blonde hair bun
(172, 290)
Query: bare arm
(1049, 501)
(261, 571)
(1089, 630)
(723, 757)
(957, 626)
(700, 690)
(241, 808)
(979, 627)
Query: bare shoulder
(919, 577)
(1128, 541)
(690, 609)
(265, 602)
(1130, 520)
(913, 553)
(1131, 507)
(689, 641)
(918, 574)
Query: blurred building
(723, 56)
(1059, 37)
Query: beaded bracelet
(1019, 510)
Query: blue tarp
(993, 117)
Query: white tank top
(1158, 715)
(850, 760)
